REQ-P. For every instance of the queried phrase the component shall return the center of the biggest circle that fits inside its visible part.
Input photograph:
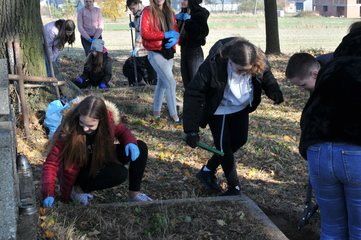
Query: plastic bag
(54, 115)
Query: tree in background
(22, 18)
(272, 36)
(113, 9)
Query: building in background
(298, 6)
(339, 8)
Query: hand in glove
(90, 40)
(134, 52)
(80, 79)
(179, 16)
(103, 86)
(171, 34)
(171, 43)
(48, 202)
(192, 139)
(82, 198)
(277, 97)
(131, 25)
(186, 17)
(133, 149)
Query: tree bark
(272, 37)
(22, 18)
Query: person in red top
(84, 158)
(160, 35)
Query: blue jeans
(335, 173)
(191, 59)
(166, 83)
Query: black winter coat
(333, 111)
(104, 76)
(196, 29)
(205, 92)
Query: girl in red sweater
(84, 158)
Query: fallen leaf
(93, 233)
(221, 222)
(49, 234)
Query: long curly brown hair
(70, 133)
(240, 51)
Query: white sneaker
(140, 197)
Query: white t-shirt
(237, 94)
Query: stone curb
(271, 231)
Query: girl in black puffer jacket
(192, 22)
(227, 86)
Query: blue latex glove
(131, 25)
(186, 17)
(134, 52)
(82, 198)
(171, 34)
(103, 86)
(90, 40)
(48, 202)
(80, 80)
(133, 149)
(171, 43)
(179, 16)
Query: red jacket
(54, 168)
(151, 32)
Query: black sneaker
(232, 191)
(209, 180)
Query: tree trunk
(272, 38)
(22, 18)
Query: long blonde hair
(163, 17)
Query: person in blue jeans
(331, 143)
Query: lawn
(295, 33)
(269, 166)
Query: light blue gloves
(133, 149)
(134, 52)
(179, 16)
(82, 198)
(171, 34)
(182, 16)
(171, 43)
(103, 86)
(131, 25)
(186, 17)
(48, 202)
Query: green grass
(296, 33)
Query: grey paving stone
(8, 199)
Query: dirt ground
(271, 171)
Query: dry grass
(269, 166)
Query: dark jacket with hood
(332, 113)
(103, 76)
(196, 28)
(205, 92)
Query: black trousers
(114, 174)
(230, 133)
(191, 59)
(86, 44)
